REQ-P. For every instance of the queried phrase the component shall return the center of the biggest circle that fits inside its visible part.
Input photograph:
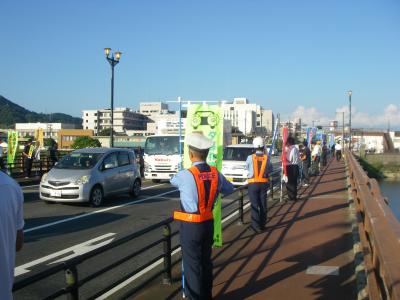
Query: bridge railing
(379, 234)
(39, 166)
(73, 281)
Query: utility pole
(350, 93)
(342, 131)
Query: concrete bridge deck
(306, 251)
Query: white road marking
(29, 186)
(149, 187)
(77, 250)
(96, 212)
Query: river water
(391, 190)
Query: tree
(85, 142)
(105, 132)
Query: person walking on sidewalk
(199, 186)
(11, 231)
(324, 155)
(316, 157)
(53, 153)
(338, 151)
(259, 167)
(292, 166)
(306, 160)
(27, 154)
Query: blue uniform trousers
(258, 199)
(196, 242)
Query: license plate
(55, 193)
(229, 179)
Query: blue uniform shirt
(249, 166)
(186, 184)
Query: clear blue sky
(280, 54)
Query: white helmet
(258, 142)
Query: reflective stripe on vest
(258, 173)
(205, 210)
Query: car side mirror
(108, 166)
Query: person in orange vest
(199, 186)
(259, 167)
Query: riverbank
(382, 166)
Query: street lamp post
(113, 62)
(350, 132)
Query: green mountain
(11, 113)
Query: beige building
(66, 137)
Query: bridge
(339, 241)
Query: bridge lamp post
(113, 60)
(350, 132)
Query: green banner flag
(209, 120)
(12, 141)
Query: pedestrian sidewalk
(306, 251)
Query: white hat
(258, 142)
(198, 141)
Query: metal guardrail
(379, 234)
(69, 267)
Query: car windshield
(237, 153)
(79, 161)
(166, 145)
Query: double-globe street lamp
(113, 60)
(349, 93)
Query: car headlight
(44, 177)
(82, 180)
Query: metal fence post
(241, 195)
(167, 254)
(71, 278)
(271, 187)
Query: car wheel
(96, 196)
(156, 180)
(135, 191)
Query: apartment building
(50, 130)
(124, 119)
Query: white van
(234, 163)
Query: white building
(247, 117)
(395, 136)
(50, 130)
(124, 119)
(372, 141)
(151, 109)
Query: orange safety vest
(258, 173)
(205, 211)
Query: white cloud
(391, 114)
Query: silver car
(90, 175)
